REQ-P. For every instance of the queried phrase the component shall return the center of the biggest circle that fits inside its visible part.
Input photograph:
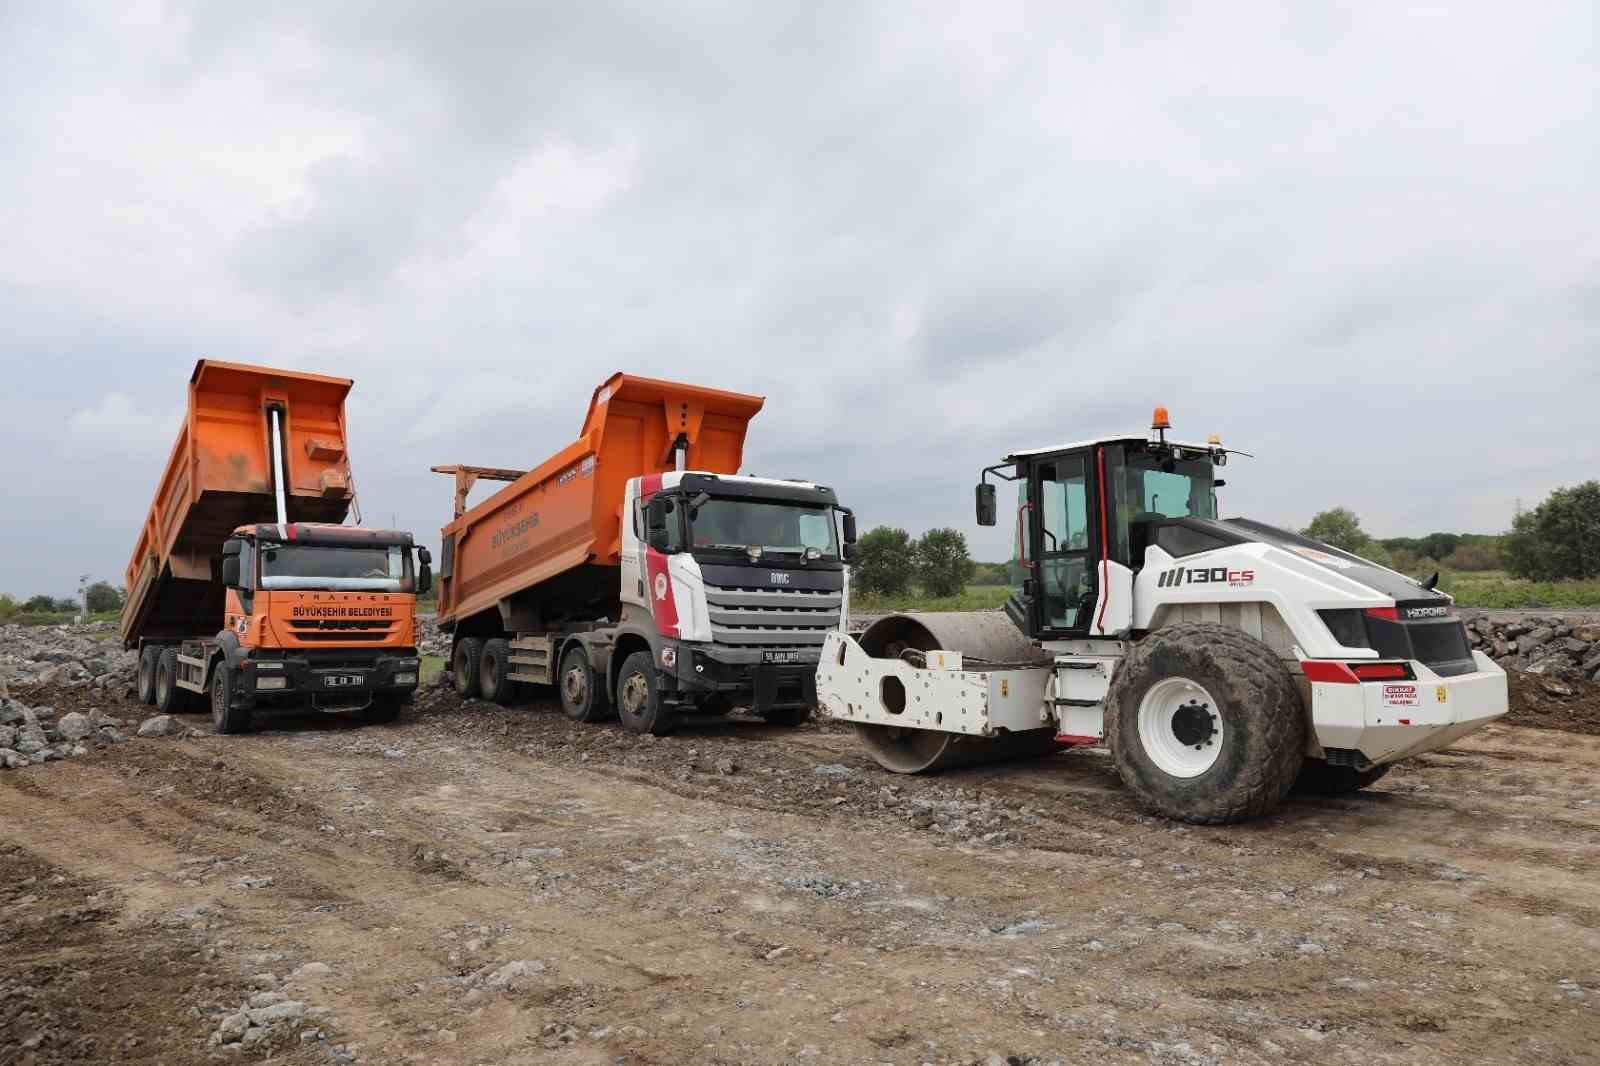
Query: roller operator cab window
(300, 566)
(1172, 488)
(731, 525)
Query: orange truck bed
(566, 513)
(219, 477)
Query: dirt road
(487, 885)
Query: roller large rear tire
(1206, 724)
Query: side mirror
(986, 504)
(849, 551)
(424, 576)
(232, 546)
(424, 556)
(849, 530)
(230, 571)
(656, 517)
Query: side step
(1078, 696)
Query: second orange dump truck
(638, 572)
(244, 588)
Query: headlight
(268, 664)
(405, 679)
(268, 683)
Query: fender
(636, 622)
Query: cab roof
(1129, 438)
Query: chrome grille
(772, 618)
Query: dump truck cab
(734, 583)
(639, 573)
(319, 614)
(245, 587)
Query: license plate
(343, 680)
(780, 657)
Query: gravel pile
(86, 656)
(1553, 646)
(36, 734)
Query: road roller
(1220, 662)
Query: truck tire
(146, 676)
(790, 716)
(1205, 724)
(464, 666)
(1319, 777)
(226, 714)
(639, 697)
(385, 707)
(583, 692)
(168, 697)
(494, 663)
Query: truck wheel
(493, 666)
(583, 692)
(166, 683)
(146, 677)
(1205, 724)
(464, 666)
(385, 707)
(1319, 777)
(226, 714)
(638, 699)
(787, 716)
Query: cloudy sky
(1359, 240)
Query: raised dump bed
(219, 477)
(548, 545)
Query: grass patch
(1496, 588)
(432, 667)
(973, 598)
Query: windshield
(1173, 488)
(299, 566)
(736, 525)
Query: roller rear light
(1337, 673)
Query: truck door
(633, 586)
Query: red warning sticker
(1399, 695)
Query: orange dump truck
(244, 587)
(637, 571)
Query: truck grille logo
(780, 577)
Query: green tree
(104, 596)
(1558, 539)
(8, 606)
(40, 605)
(885, 561)
(943, 565)
(1339, 527)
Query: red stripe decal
(663, 607)
(1074, 738)
(649, 485)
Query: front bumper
(1387, 721)
(334, 679)
(742, 675)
